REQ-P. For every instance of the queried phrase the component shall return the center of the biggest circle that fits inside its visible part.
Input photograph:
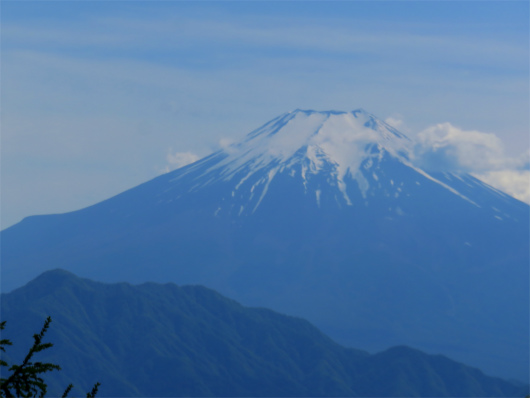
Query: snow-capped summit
(343, 139)
(308, 142)
(335, 154)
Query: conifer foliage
(25, 379)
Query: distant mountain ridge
(166, 340)
(321, 215)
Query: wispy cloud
(179, 159)
(209, 34)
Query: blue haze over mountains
(322, 215)
(164, 340)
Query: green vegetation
(25, 379)
(166, 340)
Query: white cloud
(446, 147)
(394, 121)
(180, 159)
(397, 121)
(225, 142)
(514, 182)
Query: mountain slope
(166, 340)
(321, 215)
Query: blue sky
(99, 96)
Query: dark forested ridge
(167, 340)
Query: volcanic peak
(343, 139)
(345, 148)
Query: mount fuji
(323, 215)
